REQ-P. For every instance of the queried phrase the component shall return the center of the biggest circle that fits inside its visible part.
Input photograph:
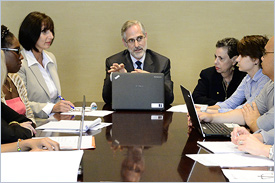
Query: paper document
(183, 108)
(50, 166)
(71, 142)
(231, 160)
(220, 147)
(69, 125)
(88, 112)
(248, 175)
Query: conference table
(145, 146)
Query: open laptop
(206, 129)
(136, 91)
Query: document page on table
(48, 166)
(220, 147)
(71, 142)
(69, 125)
(231, 160)
(88, 112)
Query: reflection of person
(260, 143)
(250, 50)
(219, 82)
(133, 165)
(259, 114)
(31, 145)
(39, 68)
(14, 93)
(134, 38)
(13, 125)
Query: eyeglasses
(266, 52)
(16, 50)
(138, 39)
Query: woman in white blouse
(39, 68)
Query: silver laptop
(136, 91)
(206, 129)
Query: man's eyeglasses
(138, 39)
(267, 52)
(16, 50)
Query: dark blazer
(11, 133)
(154, 63)
(210, 90)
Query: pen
(64, 99)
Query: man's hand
(139, 71)
(117, 68)
(250, 115)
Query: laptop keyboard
(218, 128)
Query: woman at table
(13, 125)
(39, 68)
(14, 92)
(251, 49)
(219, 82)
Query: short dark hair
(231, 45)
(30, 29)
(6, 37)
(252, 46)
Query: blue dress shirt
(248, 89)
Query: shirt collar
(141, 60)
(258, 75)
(32, 60)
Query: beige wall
(88, 32)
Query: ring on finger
(240, 142)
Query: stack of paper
(50, 166)
(73, 125)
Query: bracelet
(14, 122)
(18, 148)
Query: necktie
(138, 64)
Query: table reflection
(136, 131)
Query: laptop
(206, 129)
(136, 91)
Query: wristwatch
(271, 152)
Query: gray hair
(129, 24)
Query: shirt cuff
(48, 108)
(111, 76)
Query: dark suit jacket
(209, 89)
(154, 63)
(11, 133)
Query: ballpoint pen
(64, 99)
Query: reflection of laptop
(137, 128)
(136, 91)
(206, 129)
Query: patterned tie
(138, 64)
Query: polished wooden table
(146, 146)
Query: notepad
(69, 125)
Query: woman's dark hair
(6, 37)
(252, 46)
(30, 29)
(231, 44)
